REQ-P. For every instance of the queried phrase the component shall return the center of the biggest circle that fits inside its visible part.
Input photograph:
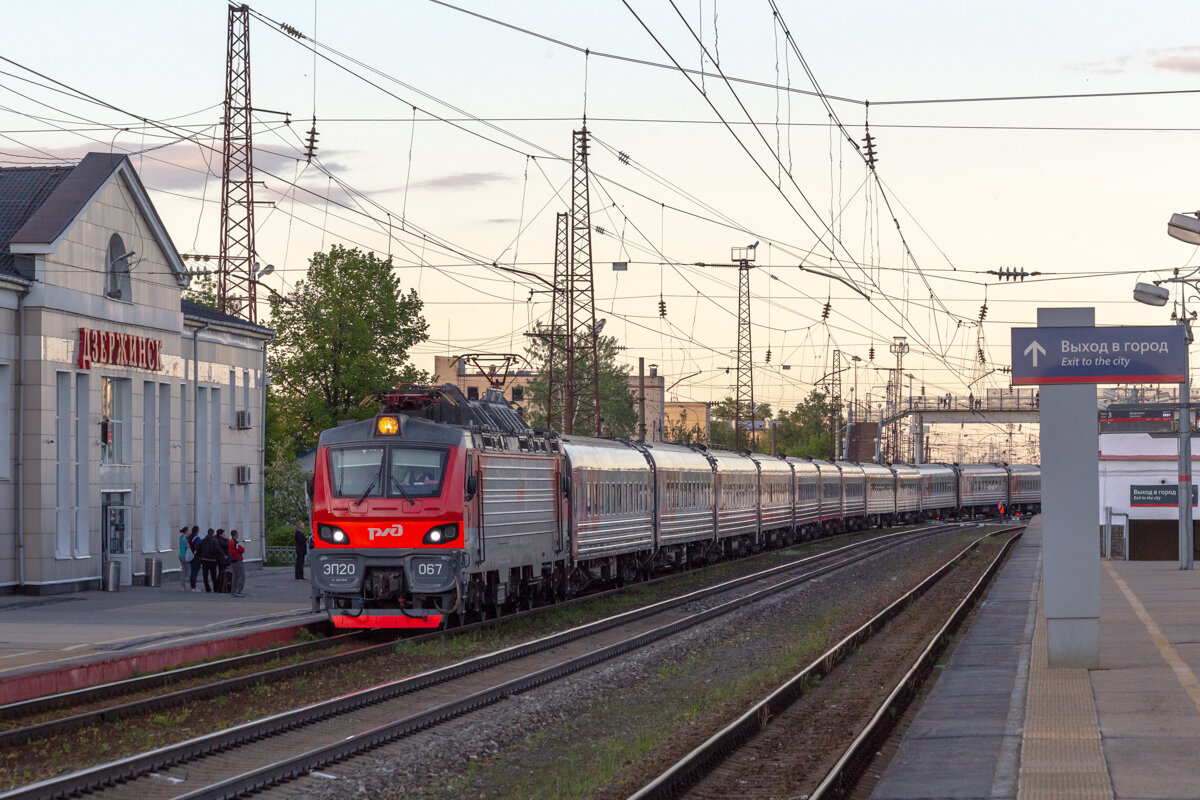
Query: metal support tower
(835, 401)
(583, 368)
(898, 348)
(743, 256)
(560, 343)
(235, 282)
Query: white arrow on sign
(1035, 348)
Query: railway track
(26, 721)
(724, 749)
(277, 748)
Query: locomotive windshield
(416, 472)
(411, 472)
(354, 471)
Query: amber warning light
(387, 426)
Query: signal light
(387, 426)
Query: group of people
(216, 556)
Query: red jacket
(235, 550)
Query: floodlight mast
(1185, 228)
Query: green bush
(281, 536)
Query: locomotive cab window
(416, 472)
(356, 471)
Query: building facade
(125, 411)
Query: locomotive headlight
(387, 426)
(332, 534)
(441, 534)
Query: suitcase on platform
(226, 582)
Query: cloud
(463, 180)
(500, 221)
(1115, 66)
(1179, 63)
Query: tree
(283, 485)
(684, 431)
(724, 414)
(342, 334)
(202, 289)
(617, 413)
(804, 431)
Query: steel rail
(301, 764)
(686, 772)
(41, 730)
(849, 768)
(128, 768)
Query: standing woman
(194, 544)
(301, 551)
(236, 553)
(185, 559)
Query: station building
(125, 411)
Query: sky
(445, 139)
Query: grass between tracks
(108, 741)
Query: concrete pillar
(1070, 447)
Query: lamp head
(1184, 228)
(1151, 294)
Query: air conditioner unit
(242, 420)
(243, 474)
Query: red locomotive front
(387, 517)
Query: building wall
(67, 479)
(687, 415)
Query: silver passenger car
(684, 480)
(938, 484)
(775, 492)
(982, 486)
(1025, 486)
(612, 501)
(737, 493)
(833, 482)
(881, 491)
(807, 491)
(908, 490)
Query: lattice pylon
(235, 284)
(745, 363)
(835, 400)
(583, 364)
(560, 343)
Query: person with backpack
(194, 544)
(236, 554)
(185, 559)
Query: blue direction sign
(1119, 354)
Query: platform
(140, 626)
(999, 724)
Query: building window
(116, 271)
(116, 408)
(472, 392)
(518, 394)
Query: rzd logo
(395, 530)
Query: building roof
(65, 195)
(203, 313)
(23, 190)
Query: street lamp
(1186, 229)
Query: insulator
(982, 312)
(768, 356)
(825, 311)
(982, 357)
(662, 307)
(871, 354)
(600, 230)
(623, 157)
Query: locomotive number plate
(430, 573)
(339, 573)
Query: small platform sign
(1157, 495)
(1118, 354)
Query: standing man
(301, 552)
(222, 561)
(210, 555)
(236, 553)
